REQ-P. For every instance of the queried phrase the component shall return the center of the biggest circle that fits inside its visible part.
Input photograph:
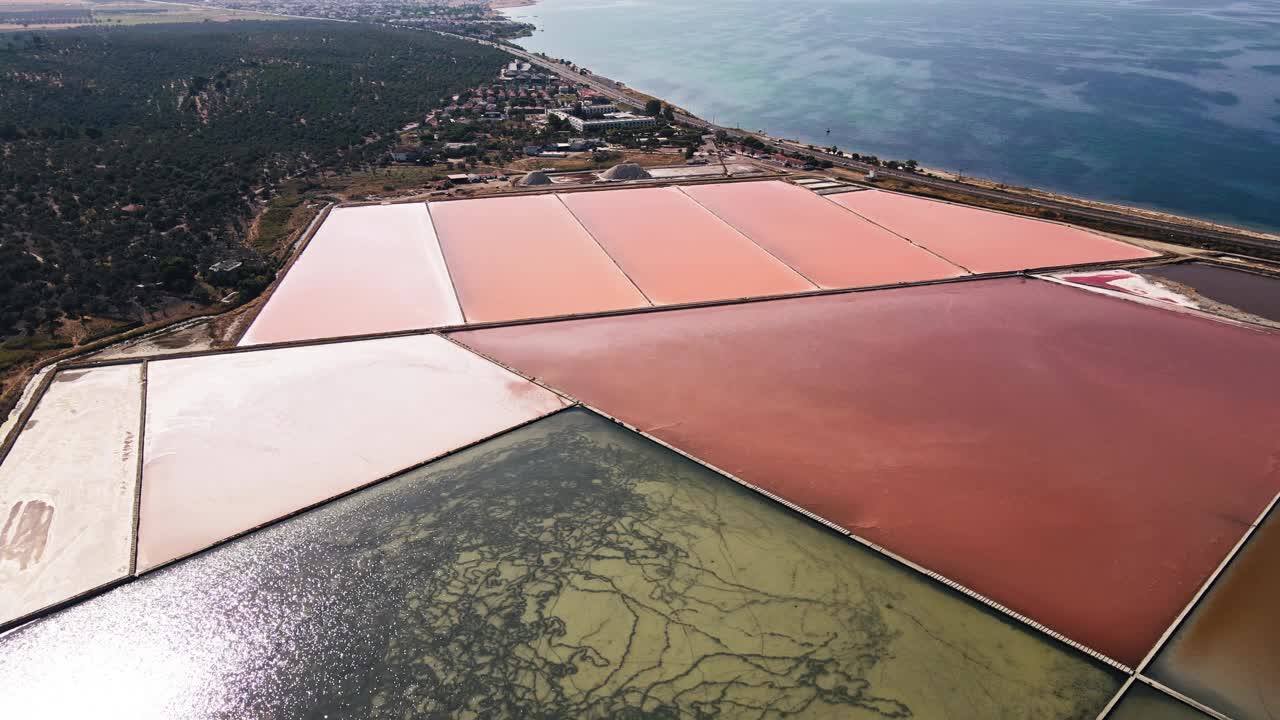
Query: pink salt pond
(676, 251)
(831, 247)
(984, 241)
(525, 257)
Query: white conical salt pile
(533, 179)
(626, 171)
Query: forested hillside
(135, 158)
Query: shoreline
(1031, 192)
(976, 182)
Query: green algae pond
(568, 569)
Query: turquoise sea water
(1172, 104)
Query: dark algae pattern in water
(569, 569)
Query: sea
(1167, 104)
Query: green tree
(177, 274)
(124, 184)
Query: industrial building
(606, 121)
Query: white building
(591, 111)
(608, 121)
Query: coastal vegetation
(139, 161)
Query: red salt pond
(367, 270)
(984, 241)
(676, 251)
(526, 257)
(235, 441)
(1084, 460)
(829, 246)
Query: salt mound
(626, 171)
(533, 179)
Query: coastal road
(1170, 230)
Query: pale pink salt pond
(237, 440)
(367, 270)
